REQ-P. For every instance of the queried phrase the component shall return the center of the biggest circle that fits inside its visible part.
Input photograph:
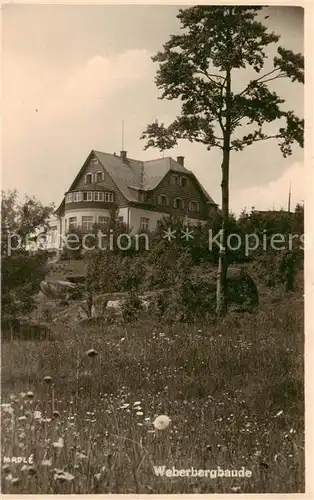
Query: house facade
(142, 193)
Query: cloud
(273, 195)
(102, 76)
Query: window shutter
(159, 199)
(182, 204)
(167, 201)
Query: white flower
(47, 462)
(279, 413)
(139, 413)
(23, 417)
(125, 405)
(161, 422)
(63, 476)
(136, 403)
(37, 415)
(59, 443)
(30, 394)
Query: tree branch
(258, 80)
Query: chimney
(180, 159)
(123, 155)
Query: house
(142, 192)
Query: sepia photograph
(153, 257)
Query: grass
(233, 392)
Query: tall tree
(199, 67)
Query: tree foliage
(200, 67)
(21, 272)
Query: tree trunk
(222, 306)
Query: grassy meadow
(82, 405)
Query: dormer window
(94, 161)
(141, 196)
(88, 178)
(178, 203)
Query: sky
(72, 73)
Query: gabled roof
(142, 175)
(132, 175)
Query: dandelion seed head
(30, 395)
(48, 379)
(161, 422)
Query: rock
(57, 289)
(241, 289)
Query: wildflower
(47, 462)
(236, 489)
(91, 353)
(37, 415)
(136, 403)
(7, 408)
(23, 417)
(30, 395)
(161, 422)
(125, 405)
(80, 456)
(63, 476)
(97, 476)
(55, 414)
(279, 413)
(6, 468)
(15, 481)
(48, 379)
(58, 444)
(139, 413)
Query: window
(72, 222)
(99, 177)
(87, 222)
(94, 161)
(53, 234)
(101, 196)
(178, 203)
(174, 179)
(184, 181)
(96, 196)
(88, 178)
(68, 198)
(87, 196)
(144, 223)
(109, 197)
(77, 196)
(141, 196)
(163, 200)
(194, 206)
(103, 220)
